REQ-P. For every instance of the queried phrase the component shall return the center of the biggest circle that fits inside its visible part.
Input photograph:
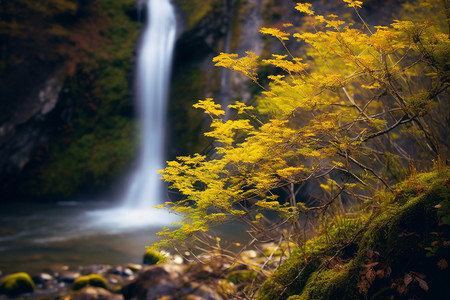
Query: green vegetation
(188, 84)
(94, 280)
(196, 10)
(16, 284)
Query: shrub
(327, 120)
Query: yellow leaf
(305, 8)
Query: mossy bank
(397, 249)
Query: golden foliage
(352, 90)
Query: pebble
(69, 276)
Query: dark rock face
(30, 125)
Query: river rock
(133, 267)
(169, 282)
(69, 276)
(16, 284)
(92, 293)
(42, 278)
(122, 271)
(97, 269)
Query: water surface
(35, 237)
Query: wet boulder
(16, 284)
(93, 280)
(92, 293)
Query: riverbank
(211, 276)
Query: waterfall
(153, 75)
(144, 190)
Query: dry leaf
(380, 274)
(442, 264)
(420, 275)
(364, 286)
(371, 265)
(370, 275)
(401, 289)
(407, 279)
(422, 284)
(388, 271)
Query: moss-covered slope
(399, 250)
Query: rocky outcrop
(29, 126)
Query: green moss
(289, 278)
(330, 284)
(406, 234)
(242, 276)
(16, 284)
(152, 257)
(196, 10)
(187, 123)
(95, 280)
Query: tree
(362, 106)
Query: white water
(153, 72)
(145, 188)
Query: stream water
(34, 237)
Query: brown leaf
(370, 253)
(407, 279)
(422, 284)
(370, 275)
(446, 243)
(380, 274)
(363, 286)
(370, 266)
(388, 271)
(420, 275)
(442, 264)
(401, 289)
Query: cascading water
(145, 188)
(153, 72)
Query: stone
(16, 284)
(68, 276)
(94, 280)
(93, 293)
(168, 281)
(133, 267)
(42, 278)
